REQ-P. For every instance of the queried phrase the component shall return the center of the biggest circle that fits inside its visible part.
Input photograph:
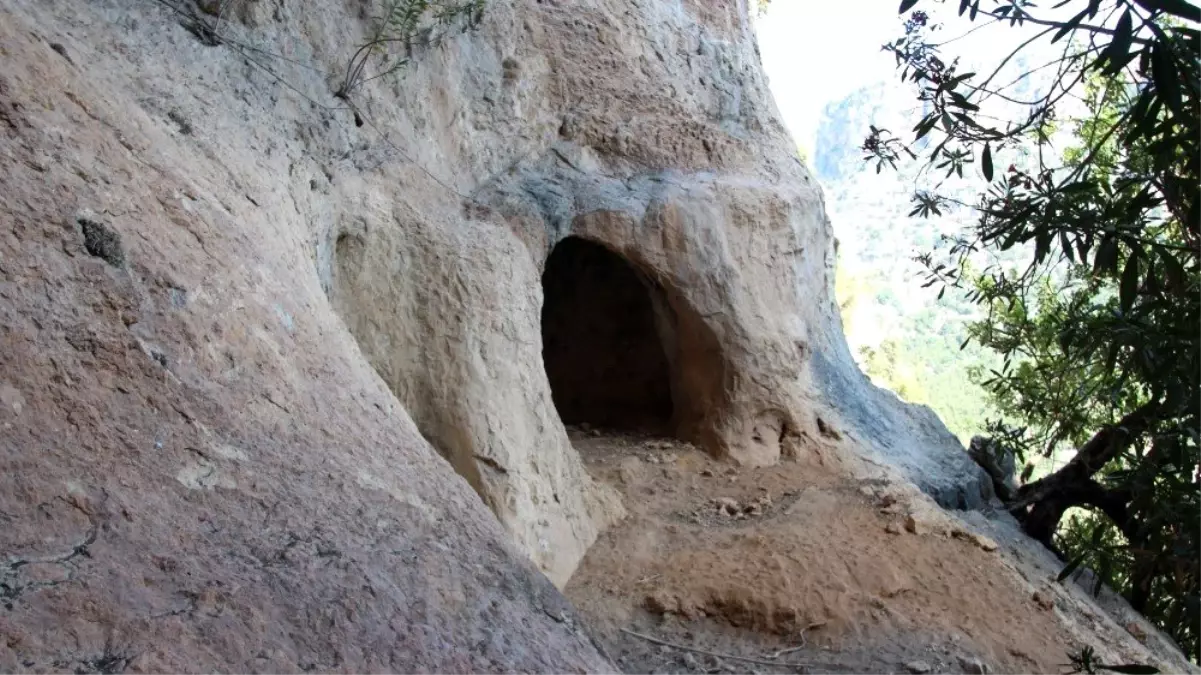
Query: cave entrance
(603, 354)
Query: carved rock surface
(271, 369)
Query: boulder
(998, 462)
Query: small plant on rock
(1086, 661)
(403, 26)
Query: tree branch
(1177, 8)
(1073, 484)
(1083, 26)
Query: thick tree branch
(1073, 485)
(1178, 8)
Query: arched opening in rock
(603, 352)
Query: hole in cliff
(603, 355)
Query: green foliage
(920, 360)
(402, 26)
(1099, 329)
(900, 375)
(1086, 661)
(1038, 382)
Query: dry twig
(718, 655)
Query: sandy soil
(752, 562)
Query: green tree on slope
(1096, 178)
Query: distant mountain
(904, 337)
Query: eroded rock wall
(277, 421)
(199, 469)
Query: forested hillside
(1078, 251)
(905, 337)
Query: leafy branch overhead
(1090, 169)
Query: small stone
(913, 526)
(980, 540)
(689, 661)
(660, 603)
(918, 667)
(1044, 599)
(1136, 630)
(984, 542)
(727, 505)
(706, 473)
(892, 528)
(973, 666)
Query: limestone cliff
(267, 362)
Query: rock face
(998, 462)
(249, 335)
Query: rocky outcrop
(999, 462)
(269, 361)
(198, 469)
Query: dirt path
(749, 562)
